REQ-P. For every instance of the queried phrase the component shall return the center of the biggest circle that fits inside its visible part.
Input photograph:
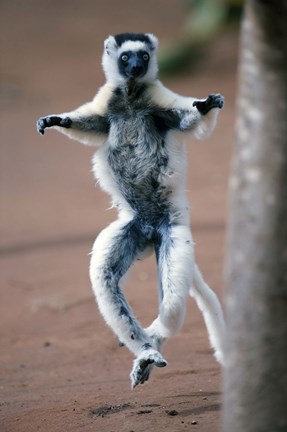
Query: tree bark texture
(255, 377)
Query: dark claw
(146, 374)
(212, 101)
(144, 363)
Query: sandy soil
(61, 368)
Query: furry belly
(139, 181)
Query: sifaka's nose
(136, 71)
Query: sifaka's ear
(110, 44)
(153, 40)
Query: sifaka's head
(130, 56)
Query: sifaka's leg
(175, 256)
(113, 253)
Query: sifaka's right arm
(88, 124)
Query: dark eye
(145, 56)
(124, 58)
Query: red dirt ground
(61, 368)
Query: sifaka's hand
(212, 101)
(49, 121)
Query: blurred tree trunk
(255, 378)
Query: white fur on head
(110, 45)
(153, 39)
(152, 72)
(112, 51)
(109, 60)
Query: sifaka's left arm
(197, 117)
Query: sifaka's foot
(143, 366)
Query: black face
(133, 64)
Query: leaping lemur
(140, 128)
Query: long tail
(209, 304)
